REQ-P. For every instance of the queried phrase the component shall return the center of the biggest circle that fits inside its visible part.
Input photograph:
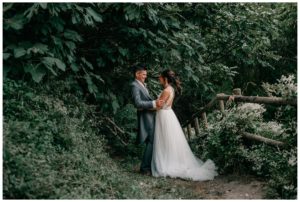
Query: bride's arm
(164, 96)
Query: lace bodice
(169, 102)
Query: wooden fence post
(221, 104)
(203, 116)
(237, 91)
(197, 128)
(189, 131)
(185, 130)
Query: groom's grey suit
(146, 121)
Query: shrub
(225, 145)
(52, 148)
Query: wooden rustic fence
(237, 97)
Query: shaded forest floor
(232, 186)
(228, 187)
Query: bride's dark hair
(173, 80)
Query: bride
(172, 155)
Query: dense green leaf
(19, 52)
(43, 5)
(7, 6)
(72, 35)
(91, 86)
(123, 51)
(60, 64)
(37, 72)
(87, 63)
(38, 48)
(17, 22)
(97, 17)
(50, 62)
(74, 67)
(6, 56)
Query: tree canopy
(206, 44)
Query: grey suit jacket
(146, 115)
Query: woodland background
(67, 69)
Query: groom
(146, 115)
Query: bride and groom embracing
(167, 152)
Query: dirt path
(231, 186)
(228, 187)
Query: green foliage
(285, 87)
(51, 149)
(225, 145)
(206, 44)
(54, 149)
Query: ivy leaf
(38, 48)
(123, 51)
(115, 106)
(17, 22)
(6, 69)
(6, 56)
(7, 6)
(195, 78)
(87, 63)
(49, 62)
(91, 86)
(88, 20)
(43, 5)
(60, 64)
(71, 45)
(19, 52)
(176, 54)
(94, 14)
(176, 24)
(98, 77)
(37, 72)
(74, 67)
(72, 35)
(160, 40)
(57, 23)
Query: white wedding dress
(172, 155)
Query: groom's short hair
(140, 67)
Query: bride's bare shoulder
(167, 90)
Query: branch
(119, 130)
(262, 139)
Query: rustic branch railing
(261, 100)
(237, 97)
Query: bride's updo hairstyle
(172, 80)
